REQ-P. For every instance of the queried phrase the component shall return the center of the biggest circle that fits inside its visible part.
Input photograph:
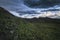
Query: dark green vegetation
(13, 28)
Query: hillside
(14, 28)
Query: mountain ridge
(15, 28)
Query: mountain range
(15, 28)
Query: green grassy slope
(13, 28)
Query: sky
(36, 8)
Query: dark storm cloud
(32, 8)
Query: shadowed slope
(14, 28)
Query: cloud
(49, 14)
(19, 9)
